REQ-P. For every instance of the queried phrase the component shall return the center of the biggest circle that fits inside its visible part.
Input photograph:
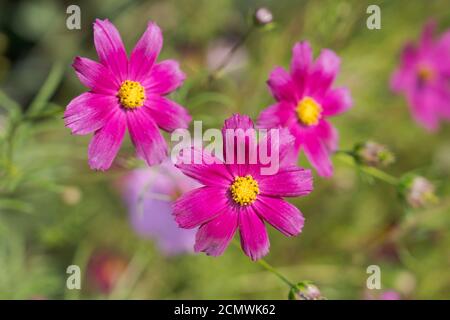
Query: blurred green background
(55, 211)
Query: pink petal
(323, 72)
(254, 238)
(214, 236)
(110, 48)
(423, 103)
(144, 133)
(278, 114)
(426, 40)
(164, 78)
(95, 76)
(290, 181)
(301, 63)
(318, 155)
(282, 215)
(283, 143)
(328, 134)
(89, 112)
(281, 85)
(239, 140)
(199, 206)
(336, 101)
(145, 52)
(204, 168)
(167, 114)
(106, 142)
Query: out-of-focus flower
(126, 94)
(104, 269)
(423, 77)
(384, 295)
(373, 154)
(304, 100)
(149, 194)
(390, 295)
(71, 195)
(418, 191)
(262, 16)
(305, 291)
(240, 196)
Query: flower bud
(419, 192)
(373, 154)
(262, 17)
(305, 291)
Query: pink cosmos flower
(149, 194)
(424, 78)
(237, 196)
(126, 93)
(304, 100)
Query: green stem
(270, 268)
(226, 60)
(372, 171)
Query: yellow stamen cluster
(308, 111)
(131, 94)
(244, 190)
(425, 73)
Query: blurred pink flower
(390, 295)
(126, 93)
(239, 196)
(104, 269)
(304, 100)
(149, 195)
(424, 78)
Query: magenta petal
(167, 114)
(164, 78)
(318, 155)
(423, 108)
(328, 134)
(254, 238)
(106, 142)
(290, 181)
(199, 206)
(204, 168)
(214, 236)
(278, 114)
(149, 143)
(281, 85)
(282, 215)
(145, 53)
(89, 112)
(323, 71)
(110, 48)
(95, 76)
(237, 121)
(301, 63)
(336, 101)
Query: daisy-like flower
(424, 78)
(304, 100)
(149, 194)
(237, 196)
(126, 93)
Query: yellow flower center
(309, 111)
(425, 73)
(244, 190)
(131, 94)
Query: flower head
(149, 194)
(305, 100)
(423, 77)
(126, 94)
(373, 154)
(418, 191)
(236, 195)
